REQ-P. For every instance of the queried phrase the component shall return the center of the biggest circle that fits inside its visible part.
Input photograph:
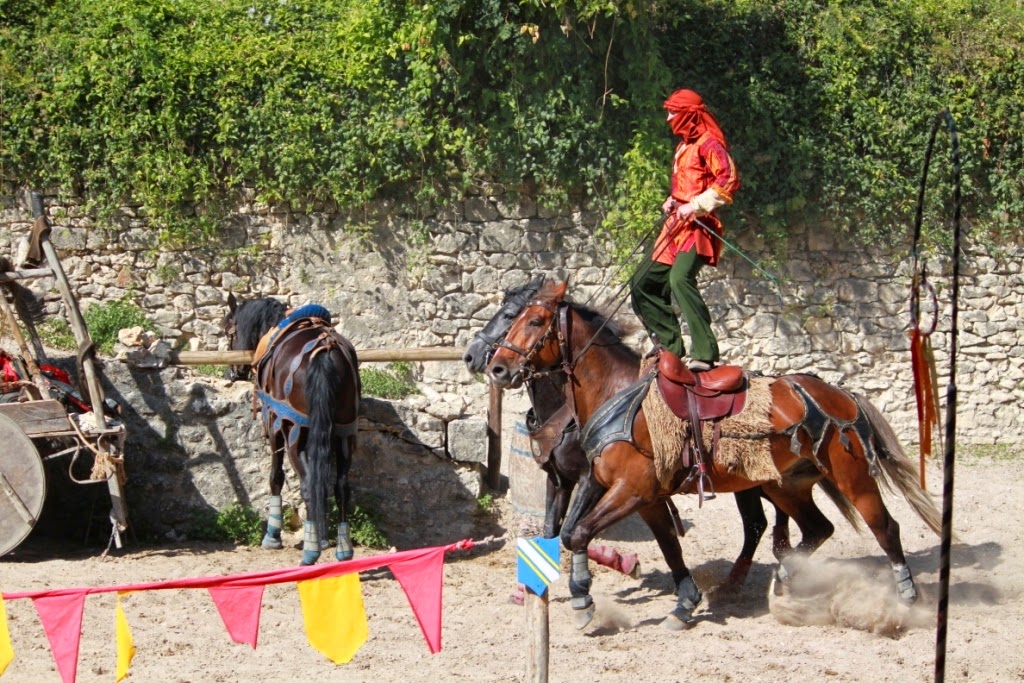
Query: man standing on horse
(704, 177)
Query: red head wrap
(692, 116)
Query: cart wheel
(22, 485)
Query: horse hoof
(778, 587)
(908, 598)
(673, 622)
(309, 557)
(344, 555)
(631, 567)
(272, 543)
(583, 617)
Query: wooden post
(26, 355)
(494, 438)
(539, 646)
(119, 512)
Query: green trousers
(651, 290)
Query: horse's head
(479, 352)
(531, 343)
(245, 323)
(229, 327)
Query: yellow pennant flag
(6, 650)
(335, 620)
(125, 645)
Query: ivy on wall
(173, 103)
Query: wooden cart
(38, 427)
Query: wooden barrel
(527, 482)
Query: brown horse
(553, 428)
(308, 394)
(840, 435)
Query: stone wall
(397, 280)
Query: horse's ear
(232, 304)
(559, 289)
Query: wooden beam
(436, 353)
(29, 274)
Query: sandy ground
(843, 626)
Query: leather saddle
(697, 396)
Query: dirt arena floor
(842, 625)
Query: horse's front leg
(344, 446)
(275, 512)
(556, 504)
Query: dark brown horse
(559, 453)
(841, 435)
(308, 395)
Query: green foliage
(392, 382)
(181, 104)
(365, 528)
(363, 524)
(210, 370)
(105, 320)
(485, 504)
(235, 524)
(56, 334)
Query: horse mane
(611, 330)
(254, 318)
(524, 292)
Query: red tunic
(696, 167)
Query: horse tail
(323, 382)
(898, 472)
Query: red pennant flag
(239, 608)
(422, 578)
(62, 620)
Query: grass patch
(234, 524)
(363, 524)
(105, 320)
(55, 333)
(210, 370)
(485, 504)
(1002, 452)
(394, 381)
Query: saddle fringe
(747, 457)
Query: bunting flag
(239, 609)
(335, 620)
(6, 649)
(418, 577)
(538, 563)
(330, 593)
(125, 644)
(61, 615)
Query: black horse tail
(898, 472)
(323, 383)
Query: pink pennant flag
(239, 608)
(62, 620)
(422, 579)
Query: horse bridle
(562, 331)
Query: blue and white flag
(538, 563)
